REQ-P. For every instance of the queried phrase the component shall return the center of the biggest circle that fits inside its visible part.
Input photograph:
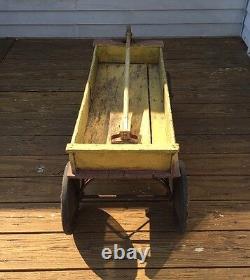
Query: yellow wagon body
(101, 111)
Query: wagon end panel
(122, 157)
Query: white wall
(246, 29)
(106, 18)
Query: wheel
(180, 199)
(70, 200)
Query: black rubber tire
(70, 200)
(180, 199)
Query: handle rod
(125, 121)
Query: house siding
(246, 28)
(98, 18)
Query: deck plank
(132, 216)
(44, 126)
(58, 251)
(190, 144)
(131, 273)
(198, 164)
(48, 189)
(185, 105)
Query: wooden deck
(41, 84)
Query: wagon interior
(101, 111)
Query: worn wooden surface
(41, 83)
(166, 273)
(106, 106)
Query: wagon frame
(94, 156)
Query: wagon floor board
(107, 104)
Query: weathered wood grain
(27, 56)
(58, 251)
(48, 189)
(191, 126)
(38, 127)
(32, 166)
(50, 53)
(32, 105)
(206, 144)
(106, 107)
(197, 164)
(190, 144)
(223, 95)
(225, 126)
(132, 216)
(157, 273)
(34, 80)
(217, 164)
(210, 110)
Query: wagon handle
(125, 119)
(125, 135)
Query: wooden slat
(192, 144)
(106, 112)
(28, 68)
(132, 216)
(197, 164)
(210, 110)
(27, 52)
(30, 105)
(45, 126)
(217, 164)
(158, 119)
(31, 109)
(21, 60)
(32, 166)
(219, 187)
(34, 145)
(204, 96)
(30, 189)
(206, 49)
(237, 62)
(58, 251)
(191, 126)
(225, 126)
(158, 273)
(212, 80)
(32, 80)
(48, 189)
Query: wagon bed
(101, 112)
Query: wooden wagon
(91, 151)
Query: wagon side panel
(82, 119)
